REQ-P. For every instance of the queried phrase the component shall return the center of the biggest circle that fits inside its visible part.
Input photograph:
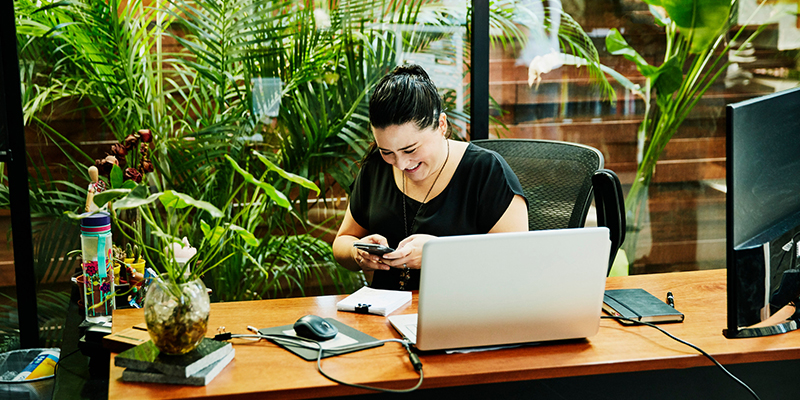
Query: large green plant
(279, 264)
(105, 55)
(113, 58)
(695, 56)
(325, 70)
(108, 58)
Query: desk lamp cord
(313, 344)
(701, 351)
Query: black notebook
(639, 305)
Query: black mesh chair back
(556, 177)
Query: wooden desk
(261, 367)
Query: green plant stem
(203, 271)
(669, 117)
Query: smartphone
(377, 249)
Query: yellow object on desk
(620, 266)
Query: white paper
(340, 340)
(378, 301)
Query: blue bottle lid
(98, 222)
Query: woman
(416, 184)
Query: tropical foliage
(696, 54)
(191, 72)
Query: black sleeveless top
(480, 191)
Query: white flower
(542, 65)
(181, 251)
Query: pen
(670, 300)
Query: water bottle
(98, 270)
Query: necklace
(414, 220)
(405, 276)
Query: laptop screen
(502, 288)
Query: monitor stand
(768, 327)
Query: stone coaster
(201, 378)
(146, 356)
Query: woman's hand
(367, 261)
(408, 253)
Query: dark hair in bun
(406, 94)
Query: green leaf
(248, 237)
(270, 190)
(116, 177)
(138, 196)
(100, 199)
(212, 236)
(129, 184)
(174, 199)
(287, 175)
(621, 79)
(669, 77)
(661, 18)
(167, 238)
(656, 3)
(699, 21)
(663, 100)
(73, 215)
(617, 45)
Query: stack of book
(144, 363)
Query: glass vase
(176, 314)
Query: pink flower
(145, 135)
(105, 165)
(105, 287)
(118, 150)
(133, 174)
(130, 141)
(147, 166)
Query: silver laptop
(505, 288)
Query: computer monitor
(763, 212)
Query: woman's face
(419, 153)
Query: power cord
(313, 344)
(58, 365)
(701, 351)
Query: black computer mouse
(315, 328)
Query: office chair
(610, 204)
(559, 180)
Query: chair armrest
(610, 204)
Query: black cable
(313, 344)
(701, 351)
(60, 360)
(412, 357)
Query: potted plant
(696, 55)
(176, 304)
